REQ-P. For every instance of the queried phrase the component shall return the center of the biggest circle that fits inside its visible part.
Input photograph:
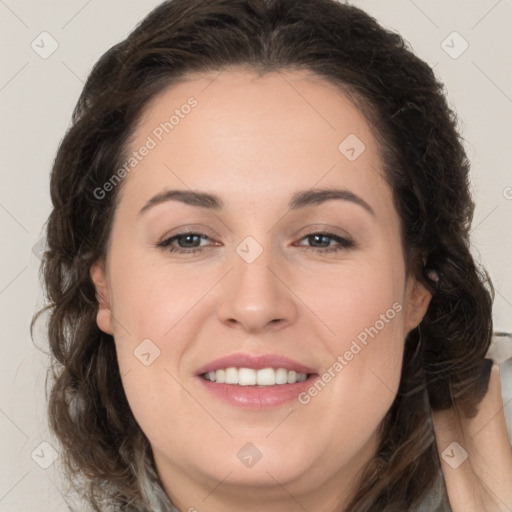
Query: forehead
(237, 130)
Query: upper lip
(256, 362)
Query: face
(299, 296)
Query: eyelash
(345, 243)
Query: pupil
(188, 237)
(316, 237)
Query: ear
(416, 302)
(99, 278)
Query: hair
(424, 162)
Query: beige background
(37, 97)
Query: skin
(477, 472)
(255, 141)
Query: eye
(186, 247)
(323, 239)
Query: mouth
(256, 382)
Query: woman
(209, 355)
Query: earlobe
(417, 300)
(104, 315)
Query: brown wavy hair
(106, 453)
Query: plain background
(37, 97)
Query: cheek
(154, 325)
(358, 387)
(150, 299)
(359, 300)
(364, 309)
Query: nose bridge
(254, 295)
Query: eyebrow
(302, 199)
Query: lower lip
(257, 397)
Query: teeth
(250, 377)
(246, 377)
(265, 377)
(281, 376)
(231, 376)
(218, 376)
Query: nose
(257, 296)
